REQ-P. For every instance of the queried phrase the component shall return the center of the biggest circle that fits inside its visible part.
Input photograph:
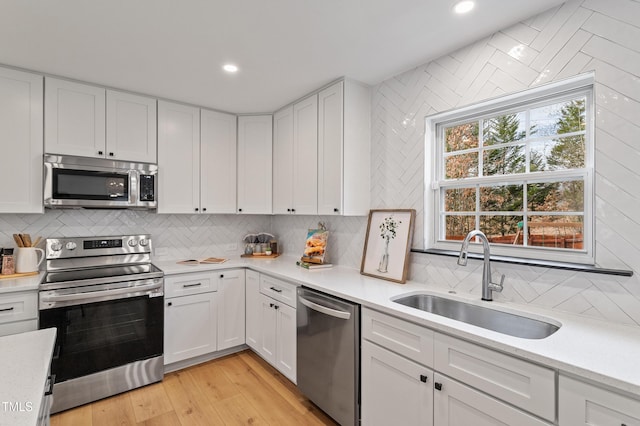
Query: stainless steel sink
(491, 319)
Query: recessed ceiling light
(230, 68)
(463, 6)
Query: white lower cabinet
(271, 323)
(18, 312)
(190, 326)
(456, 404)
(394, 389)
(413, 375)
(582, 403)
(204, 313)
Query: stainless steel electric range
(106, 300)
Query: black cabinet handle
(170, 304)
(423, 378)
(111, 154)
(336, 210)
(277, 290)
(438, 386)
(276, 306)
(288, 210)
(100, 153)
(221, 275)
(293, 210)
(196, 209)
(271, 305)
(51, 379)
(240, 210)
(191, 285)
(204, 209)
(7, 309)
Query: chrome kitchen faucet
(488, 287)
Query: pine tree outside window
(520, 169)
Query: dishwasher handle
(323, 309)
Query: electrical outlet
(231, 247)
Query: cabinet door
(217, 162)
(231, 319)
(178, 158)
(190, 326)
(394, 389)
(131, 127)
(458, 405)
(267, 343)
(582, 404)
(330, 142)
(253, 310)
(286, 340)
(21, 142)
(255, 164)
(74, 118)
(283, 161)
(305, 156)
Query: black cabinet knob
(423, 378)
(221, 275)
(239, 210)
(336, 210)
(288, 210)
(111, 154)
(170, 303)
(293, 210)
(438, 386)
(196, 209)
(100, 152)
(204, 209)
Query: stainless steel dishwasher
(329, 354)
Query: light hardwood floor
(234, 390)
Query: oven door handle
(124, 292)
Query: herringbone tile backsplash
(578, 36)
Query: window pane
(457, 227)
(501, 229)
(501, 198)
(460, 200)
(504, 129)
(556, 196)
(504, 161)
(558, 154)
(461, 166)
(556, 231)
(462, 136)
(563, 117)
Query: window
(520, 169)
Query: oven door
(93, 336)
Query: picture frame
(387, 244)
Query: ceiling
(284, 48)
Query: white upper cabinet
(90, 121)
(305, 156)
(283, 161)
(217, 162)
(178, 158)
(21, 142)
(255, 135)
(131, 127)
(295, 158)
(344, 149)
(74, 118)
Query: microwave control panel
(147, 188)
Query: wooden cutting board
(23, 274)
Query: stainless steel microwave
(71, 181)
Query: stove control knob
(133, 243)
(56, 246)
(144, 242)
(70, 245)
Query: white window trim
(431, 192)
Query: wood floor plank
(189, 404)
(149, 401)
(116, 410)
(237, 389)
(78, 416)
(237, 410)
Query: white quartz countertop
(600, 351)
(24, 367)
(30, 283)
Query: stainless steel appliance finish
(328, 354)
(491, 319)
(75, 182)
(106, 300)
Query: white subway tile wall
(579, 36)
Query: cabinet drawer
(458, 405)
(18, 307)
(277, 289)
(405, 338)
(513, 380)
(185, 284)
(584, 404)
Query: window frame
(528, 99)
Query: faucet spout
(488, 287)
